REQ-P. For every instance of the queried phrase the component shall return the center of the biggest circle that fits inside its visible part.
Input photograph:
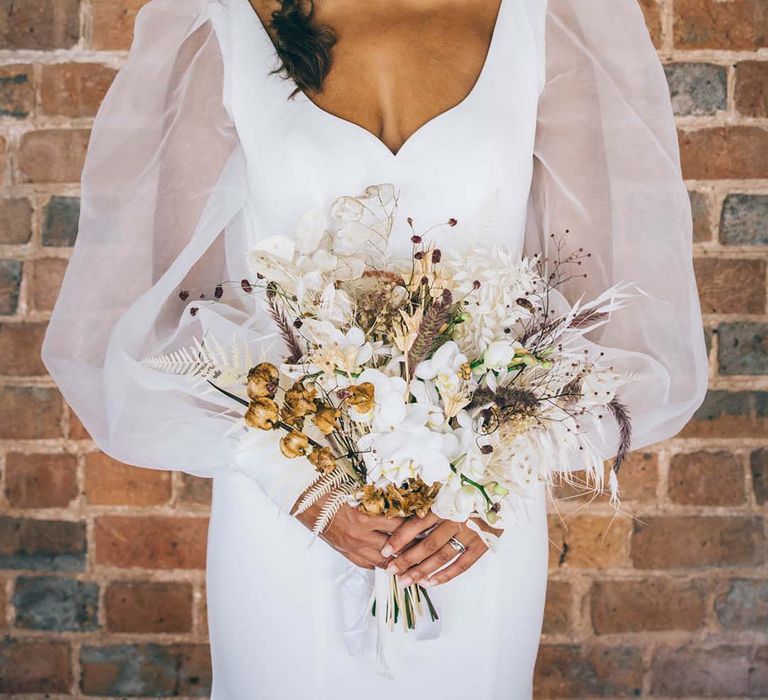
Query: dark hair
(304, 48)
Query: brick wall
(101, 566)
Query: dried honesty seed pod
(262, 413)
(262, 381)
(322, 459)
(294, 444)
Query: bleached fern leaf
(331, 507)
(207, 360)
(323, 485)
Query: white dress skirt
(197, 153)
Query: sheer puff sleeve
(607, 170)
(163, 192)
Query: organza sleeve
(163, 191)
(607, 170)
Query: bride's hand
(417, 560)
(358, 536)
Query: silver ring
(458, 546)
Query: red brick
(667, 542)
(76, 429)
(17, 91)
(28, 666)
(737, 25)
(156, 542)
(40, 480)
(720, 671)
(751, 89)
(151, 607)
(724, 152)
(29, 412)
(557, 611)
(113, 22)
(569, 671)
(52, 155)
(109, 483)
(16, 215)
(2, 160)
(701, 211)
(707, 479)
(731, 286)
(730, 414)
(39, 24)
(42, 545)
(195, 490)
(638, 477)
(44, 277)
(652, 11)
(649, 605)
(74, 89)
(589, 541)
(20, 349)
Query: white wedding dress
(197, 153)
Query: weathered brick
(39, 24)
(652, 12)
(569, 671)
(42, 545)
(648, 605)
(721, 671)
(113, 22)
(557, 611)
(10, 283)
(146, 669)
(743, 348)
(28, 666)
(696, 89)
(737, 25)
(731, 414)
(685, 541)
(148, 607)
(76, 429)
(40, 480)
(758, 462)
(155, 542)
(638, 477)
(731, 286)
(52, 155)
(195, 490)
(62, 216)
(751, 88)
(701, 211)
(706, 478)
(20, 349)
(44, 278)
(109, 482)
(724, 152)
(744, 220)
(3, 159)
(56, 604)
(589, 541)
(17, 92)
(29, 412)
(16, 218)
(74, 89)
(743, 605)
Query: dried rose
(262, 413)
(294, 444)
(360, 396)
(262, 381)
(322, 459)
(300, 400)
(327, 419)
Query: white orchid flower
(457, 501)
(443, 367)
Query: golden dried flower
(262, 413)
(360, 397)
(327, 419)
(262, 381)
(322, 459)
(294, 444)
(372, 500)
(300, 400)
(465, 371)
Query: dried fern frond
(621, 414)
(437, 316)
(338, 498)
(322, 486)
(208, 359)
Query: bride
(519, 119)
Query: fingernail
(391, 569)
(406, 581)
(386, 551)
